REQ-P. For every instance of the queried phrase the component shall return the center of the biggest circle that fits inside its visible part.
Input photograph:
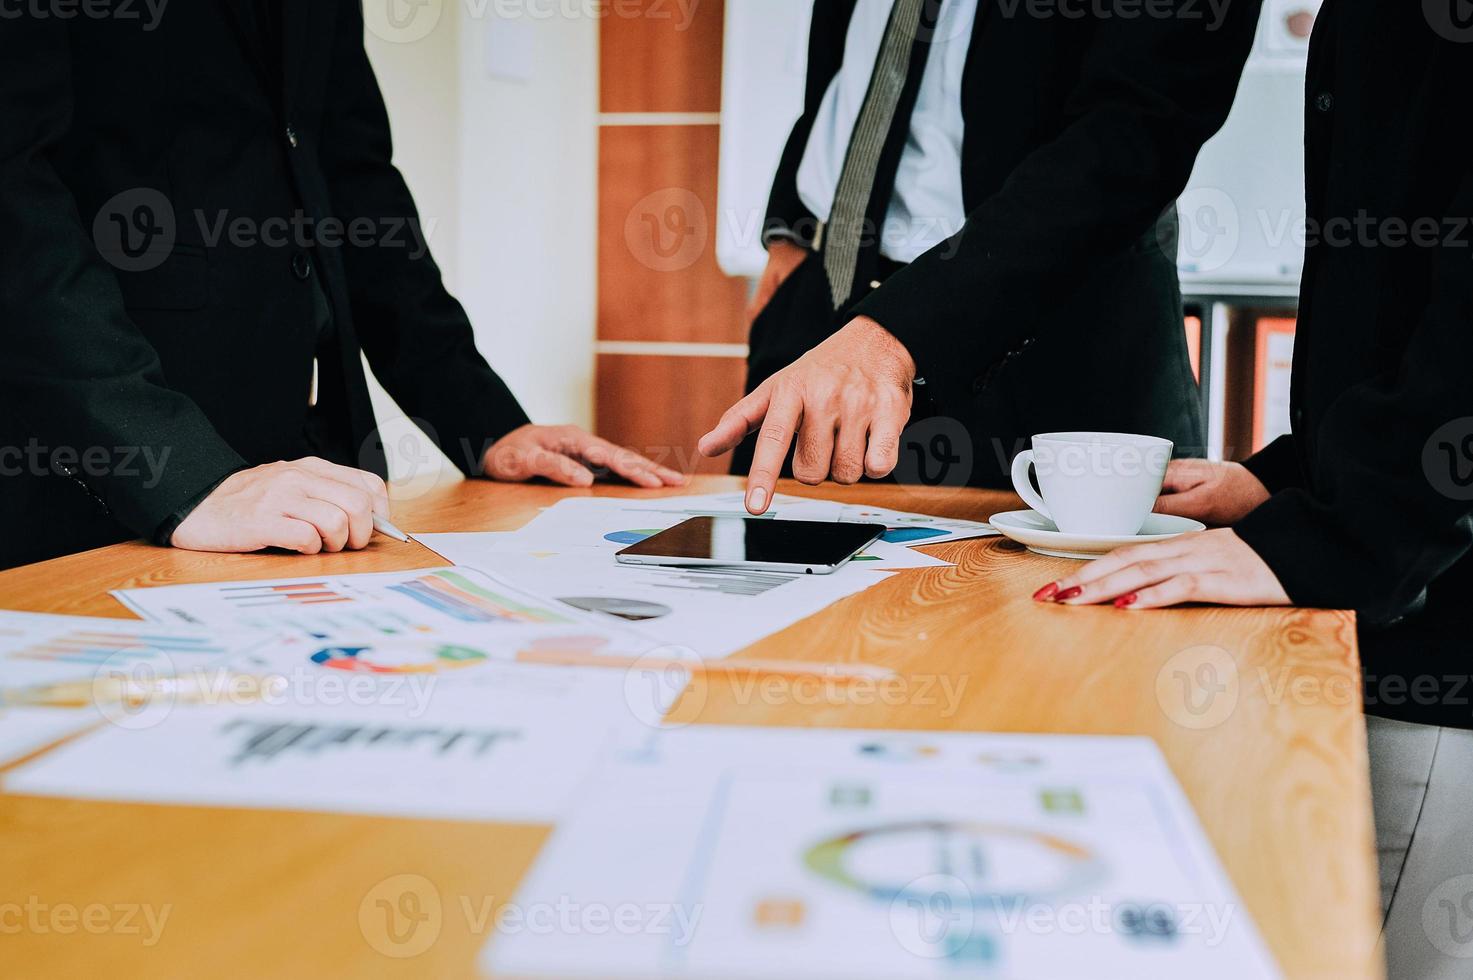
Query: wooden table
(1257, 711)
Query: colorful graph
(906, 751)
(356, 618)
(631, 537)
(456, 596)
(1039, 864)
(427, 659)
(116, 648)
(899, 751)
(289, 594)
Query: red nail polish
(1126, 601)
(1068, 594)
(1046, 593)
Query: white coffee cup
(1097, 483)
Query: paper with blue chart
(515, 747)
(566, 553)
(897, 854)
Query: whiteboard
(1242, 213)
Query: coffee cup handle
(1023, 484)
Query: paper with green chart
(740, 852)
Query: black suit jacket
(173, 210)
(1081, 131)
(1373, 493)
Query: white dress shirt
(928, 206)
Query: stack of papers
(723, 851)
(567, 552)
(388, 694)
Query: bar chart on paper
(42, 649)
(394, 605)
(97, 647)
(455, 595)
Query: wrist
(498, 450)
(872, 333)
(785, 247)
(1250, 486)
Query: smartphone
(811, 547)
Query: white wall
(529, 197)
(504, 168)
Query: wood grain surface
(1257, 712)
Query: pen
(383, 526)
(186, 689)
(785, 668)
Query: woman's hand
(1217, 494)
(1212, 566)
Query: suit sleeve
(1277, 465)
(1151, 91)
(76, 372)
(787, 216)
(1389, 503)
(416, 335)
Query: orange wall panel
(661, 56)
(657, 274)
(660, 405)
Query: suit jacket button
(291, 137)
(302, 266)
(1324, 102)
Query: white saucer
(1041, 536)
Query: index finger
(772, 448)
(736, 422)
(363, 480)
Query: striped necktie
(843, 233)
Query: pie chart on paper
(634, 610)
(631, 537)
